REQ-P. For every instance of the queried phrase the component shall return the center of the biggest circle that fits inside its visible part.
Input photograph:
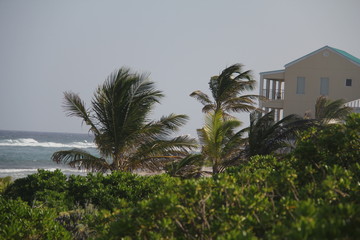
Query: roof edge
(342, 53)
(347, 55)
(306, 56)
(273, 72)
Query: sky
(48, 47)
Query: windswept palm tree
(220, 143)
(327, 110)
(227, 90)
(266, 136)
(219, 139)
(123, 133)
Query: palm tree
(227, 90)
(124, 135)
(266, 136)
(327, 110)
(188, 167)
(220, 143)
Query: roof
(338, 51)
(347, 55)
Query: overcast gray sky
(48, 47)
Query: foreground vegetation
(311, 193)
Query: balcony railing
(277, 95)
(354, 104)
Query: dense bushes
(261, 199)
(310, 194)
(102, 191)
(78, 199)
(334, 144)
(44, 186)
(106, 191)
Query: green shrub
(44, 186)
(337, 144)
(319, 221)
(200, 209)
(103, 191)
(19, 221)
(4, 183)
(77, 222)
(107, 191)
(264, 198)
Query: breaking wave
(19, 170)
(30, 142)
(21, 173)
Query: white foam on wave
(18, 170)
(30, 142)
(21, 173)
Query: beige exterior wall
(323, 64)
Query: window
(324, 86)
(300, 85)
(348, 82)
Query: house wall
(325, 63)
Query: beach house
(327, 71)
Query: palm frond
(203, 136)
(208, 108)
(233, 145)
(201, 97)
(243, 75)
(173, 121)
(242, 105)
(248, 85)
(327, 110)
(75, 107)
(81, 159)
(157, 130)
(265, 135)
(153, 154)
(177, 146)
(188, 166)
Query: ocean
(22, 153)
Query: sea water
(22, 153)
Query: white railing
(355, 104)
(277, 95)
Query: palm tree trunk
(116, 162)
(216, 168)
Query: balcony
(272, 87)
(273, 98)
(273, 95)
